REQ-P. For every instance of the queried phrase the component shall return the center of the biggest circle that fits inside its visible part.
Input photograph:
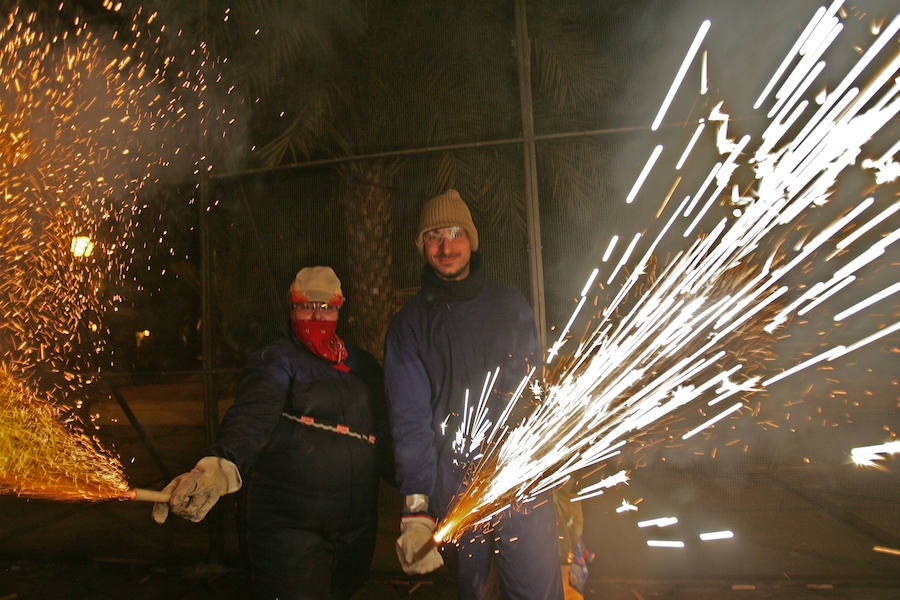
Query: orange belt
(336, 428)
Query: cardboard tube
(142, 495)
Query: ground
(799, 533)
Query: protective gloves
(416, 548)
(193, 494)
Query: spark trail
(672, 345)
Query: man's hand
(416, 548)
(193, 494)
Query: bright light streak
(704, 74)
(648, 166)
(827, 355)
(886, 550)
(589, 282)
(826, 294)
(624, 259)
(626, 506)
(810, 27)
(780, 111)
(868, 226)
(877, 297)
(609, 248)
(665, 543)
(880, 42)
(792, 87)
(717, 535)
(690, 144)
(608, 482)
(565, 330)
(702, 189)
(658, 522)
(679, 76)
(732, 409)
(867, 456)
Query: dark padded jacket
(296, 475)
(446, 340)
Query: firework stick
(142, 495)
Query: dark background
(348, 116)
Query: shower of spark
(88, 120)
(42, 458)
(698, 332)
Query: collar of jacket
(436, 289)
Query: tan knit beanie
(446, 210)
(317, 284)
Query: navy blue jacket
(296, 475)
(446, 340)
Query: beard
(451, 274)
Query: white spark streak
(869, 455)
(728, 411)
(827, 291)
(589, 282)
(665, 543)
(624, 259)
(801, 41)
(609, 248)
(642, 176)
(690, 145)
(877, 297)
(716, 535)
(702, 189)
(868, 226)
(658, 522)
(606, 483)
(679, 76)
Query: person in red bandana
(305, 441)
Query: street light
(81, 246)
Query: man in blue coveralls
(458, 328)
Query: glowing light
(81, 246)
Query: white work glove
(193, 494)
(416, 547)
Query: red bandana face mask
(321, 339)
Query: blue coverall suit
(446, 340)
(309, 502)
